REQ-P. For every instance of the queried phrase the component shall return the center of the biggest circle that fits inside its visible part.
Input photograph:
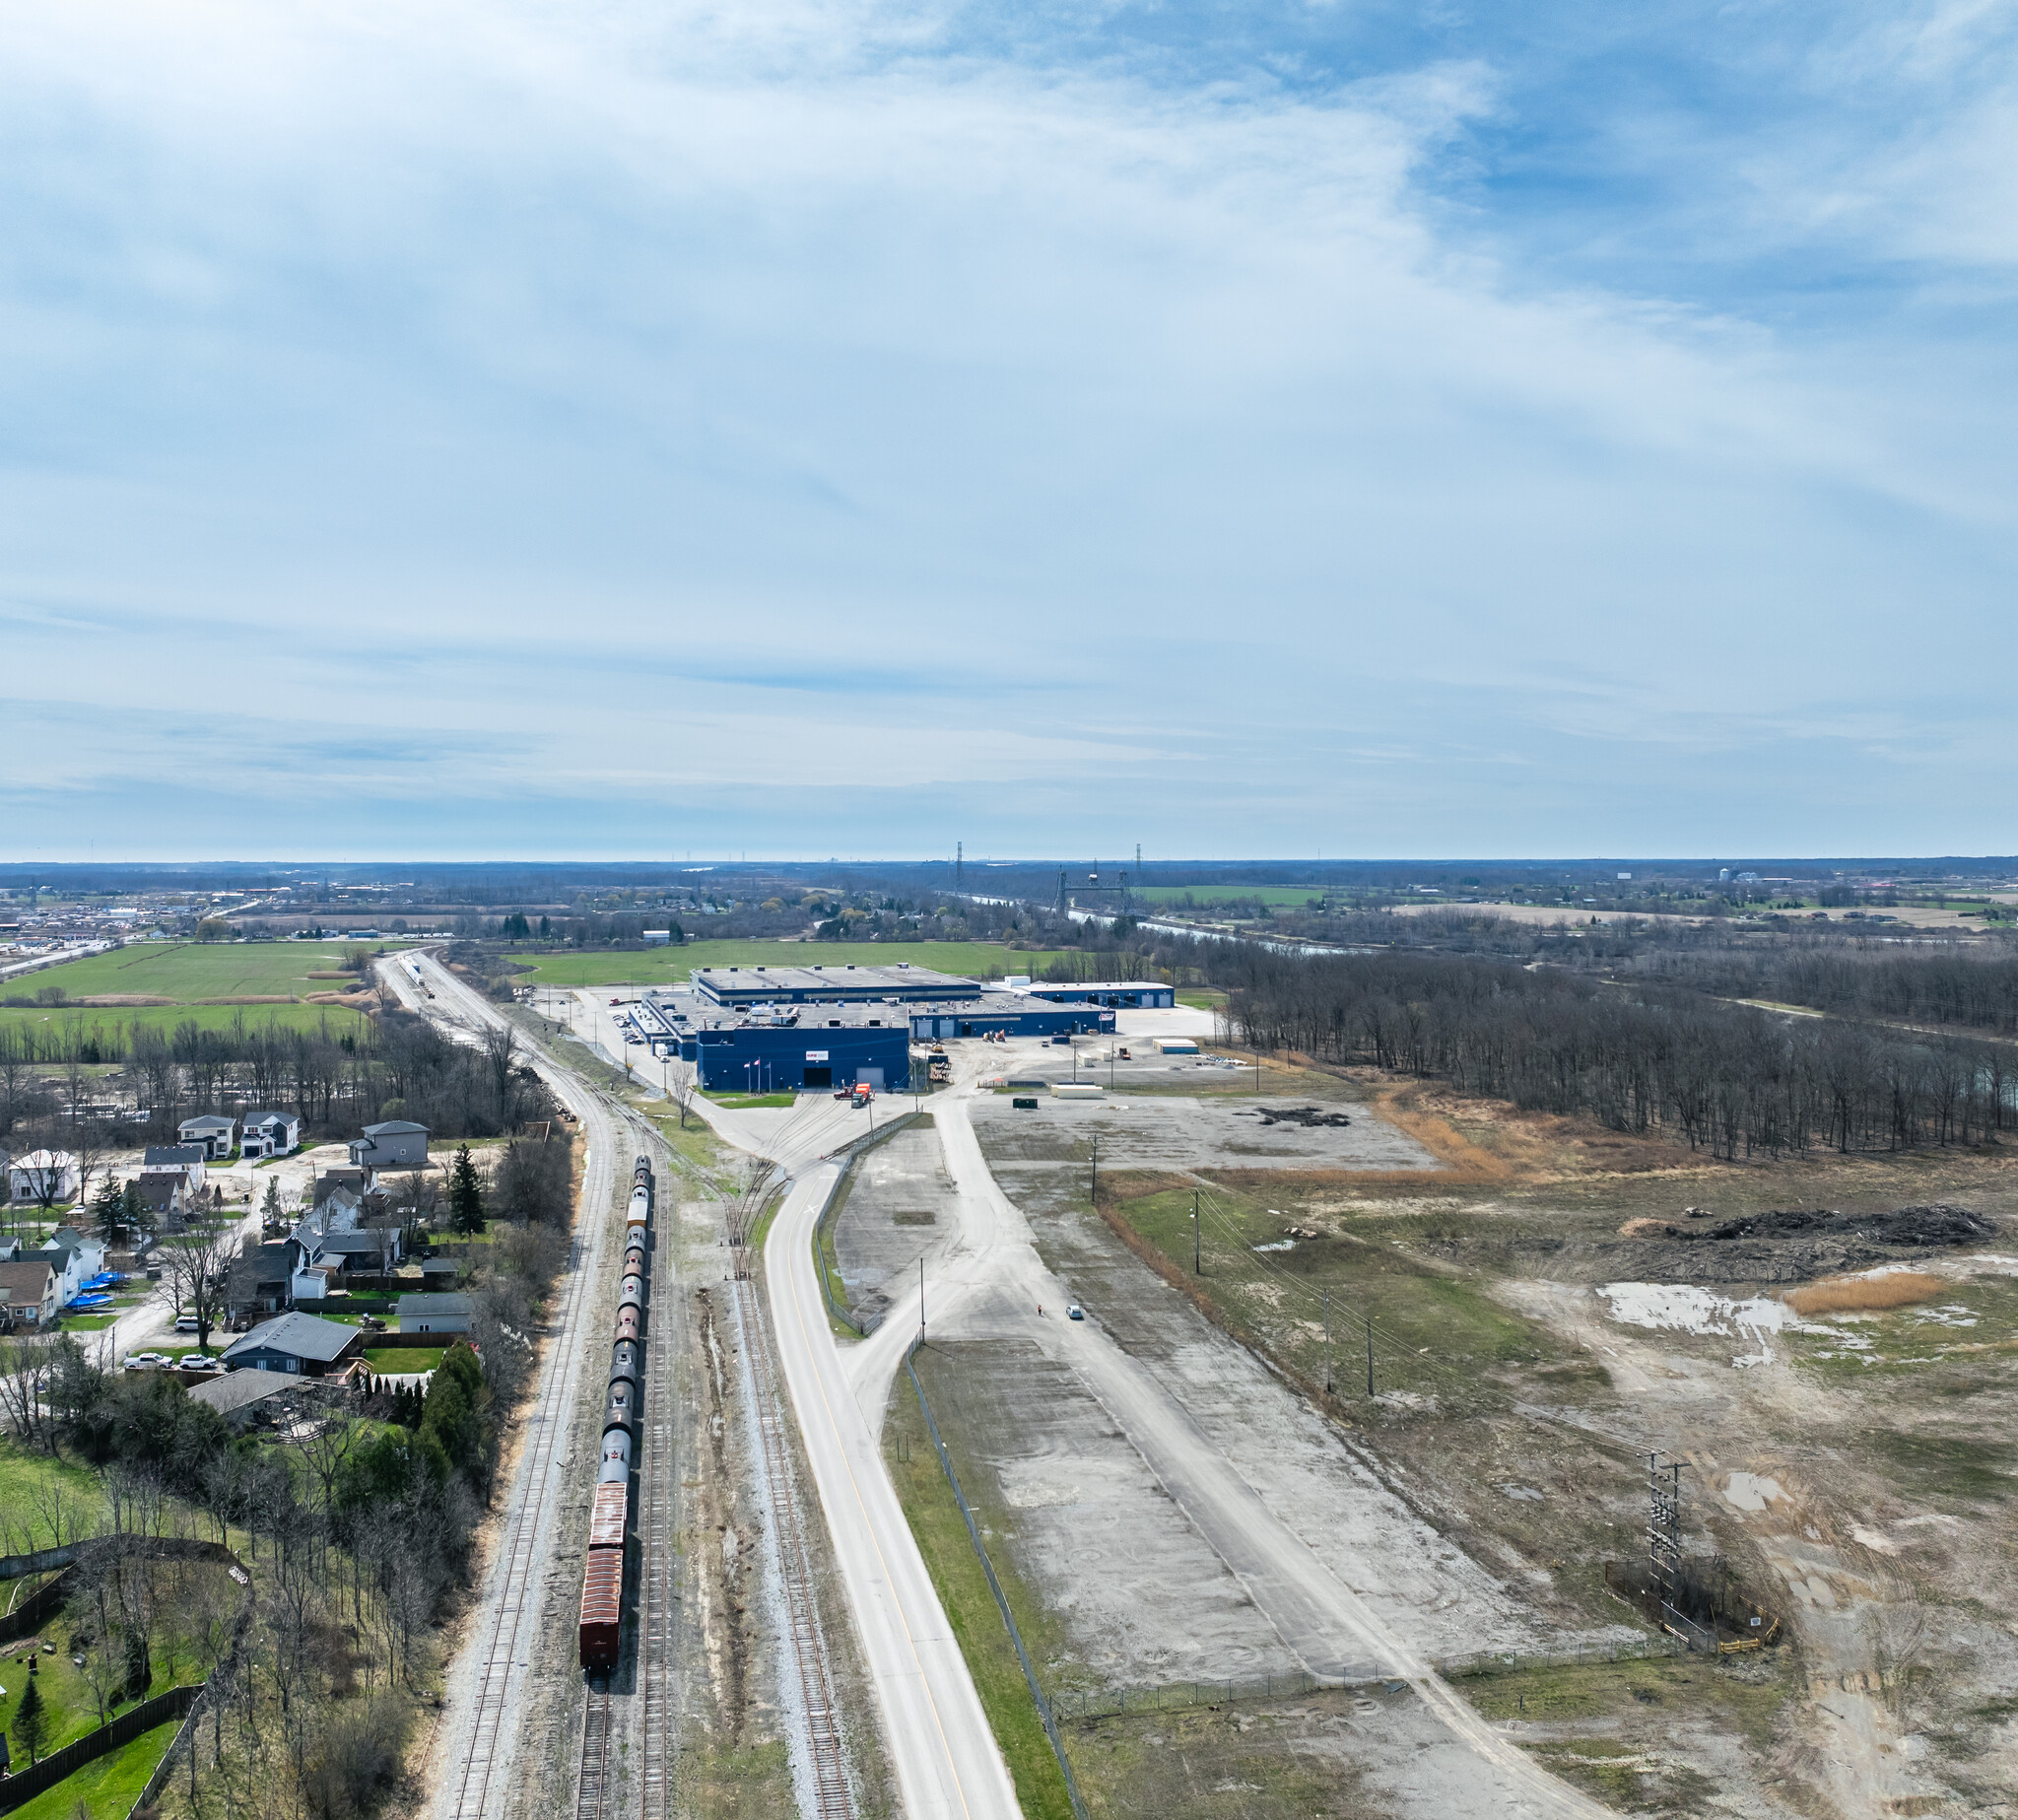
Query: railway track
(595, 1754)
(518, 1595)
(657, 1490)
(833, 1798)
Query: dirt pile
(1311, 1117)
(1935, 1225)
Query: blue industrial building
(771, 1029)
(1116, 994)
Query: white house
(43, 1176)
(73, 1257)
(270, 1135)
(213, 1132)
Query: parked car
(201, 1362)
(1073, 1312)
(185, 1323)
(146, 1361)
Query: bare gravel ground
(1180, 1131)
(890, 1219)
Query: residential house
(435, 1314)
(341, 1187)
(74, 1258)
(188, 1158)
(44, 1178)
(296, 1343)
(259, 1280)
(398, 1143)
(270, 1135)
(212, 1132)
(27, 1293)
(165, 1196)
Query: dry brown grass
(1868, 1294)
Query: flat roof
(827, 981)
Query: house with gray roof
(214, 1134)
(301, 1344)
(398, 1143)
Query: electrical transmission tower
(1664, 1528)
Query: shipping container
(1077, 1090)
(602, 1601)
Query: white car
(201, 1362)
(185, 1323)
(147, 1361)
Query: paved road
(471, 1759)
(991, 1262)
(941, 1747)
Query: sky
(830, 426)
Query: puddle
(1687, 1309)
(1749, 1491)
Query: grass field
(107, 1789)
(106, 1021)
(985, 1640)
(672, 965)
(188, 971)
(26, 1477)
(392, 1359)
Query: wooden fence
(29, 1783)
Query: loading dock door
(819, 1077)
(869, 1077)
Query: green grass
(388, 1360)
(1202, 998)
(1924, 1466)
(1434, 1334)
(963, 1587)
(747, 1102)
(671, 966)
(26, 1476)
(186, 971)
(107, 1021)
(109, 1787)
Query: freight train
(602, 1583)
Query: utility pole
(1194, 1232)
(1327, 1342)
(1664, 1526)
(958, 863)
(1370, 1354)
(1095, 1191)
(921, 1302)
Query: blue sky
(625, 430)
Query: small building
(1115, 994)
(398, 1143)
(235, 1396)
(188, 1158)
(1175, 1046)
(297, 1343)
(346, 1185)
(27, 1293)
(429, 1313)
(271, 1134)
(259, 1280)
(44, 1178)
(74, 1257)
(214, 1134)
(659, 938)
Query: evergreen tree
(133, 1206)
(269, 1208)
(465, 1194)
(31, 1720)
(108, 1209)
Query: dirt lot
(889, 1217)
(1544, 1307)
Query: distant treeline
(1727, 1078)
(397, 1066)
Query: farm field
(673, 966)
(58, 1022)
(193, 973)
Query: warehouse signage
(816, 1055)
